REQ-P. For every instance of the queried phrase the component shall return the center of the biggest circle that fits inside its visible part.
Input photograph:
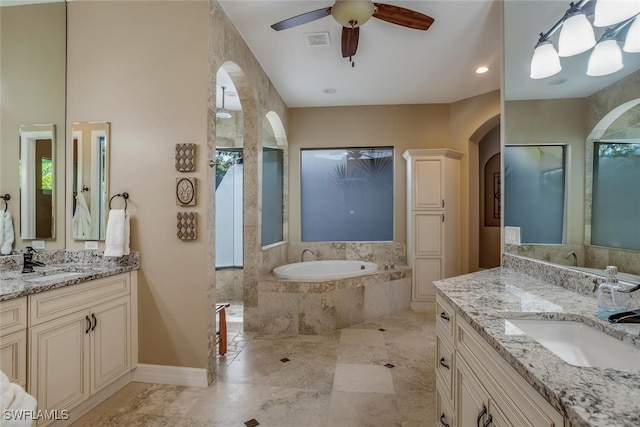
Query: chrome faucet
(28, 262)
(303, 252)
(575, 258)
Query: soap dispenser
(610, 301)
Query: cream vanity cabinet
(13, 340)
(82, 339)
(478, 386)
(432, 220)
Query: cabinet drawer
(509, 388)
(445, 319)
(444, 410)
(13, 356)
(445, 366)
(13, 315)
(50, 305)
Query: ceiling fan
(351, 14)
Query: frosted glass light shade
(576, 36)
(545, 62)
(606, 58)
(354, 13)
(632, 42)
(610, 12)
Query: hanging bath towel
(6, 233)
(81, 222)
(117, 236)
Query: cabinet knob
(443, 420)
(443, 362)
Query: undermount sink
(579, 344)
(57, 276)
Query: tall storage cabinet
(433, 221)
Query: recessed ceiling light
(482, 70)
(330, 90)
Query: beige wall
(32, 79)
(143, 67)
(559, 121)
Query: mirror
(90, 180)
(37, 176)
(33, 80)
(569, 109)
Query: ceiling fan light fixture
(605, 59)
(611, 12)
(352, 13)
(545, 61)
(576, 35)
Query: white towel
(6, 233)
(14, 398)
(81, 222)
(117, 236)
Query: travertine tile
(355, 336)
(363, 378)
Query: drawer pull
(445, 316)
(443, 362)
(442, 421)
(481, 414)
(489, 421)
(95, 321)
(88, 324)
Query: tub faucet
(575, 258)
(28, 262)
(303, 252)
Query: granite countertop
(14, 284)
(586, 396)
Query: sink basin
(57, 276)
(579, 344)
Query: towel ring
(125, 196)
(6, 199)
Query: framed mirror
(90, 180)
(37, 181)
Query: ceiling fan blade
(402, 16)
(350, 41)
(302, 19)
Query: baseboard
(423, 305)
(174, 375)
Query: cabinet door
(428, 234)
(427, 184)
(13, 357)
(110, 342)
(59, 361)
(471, 399)
(425, 272)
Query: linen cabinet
(433, 220)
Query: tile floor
(375, 374)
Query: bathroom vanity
(491, 373)
(69, 334)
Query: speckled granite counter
(586, 396)
(63, 268)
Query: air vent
(317, 39)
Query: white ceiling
(524, 21)
(393, 64)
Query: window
(272, 196)
(534, 192)
(616, 192)
(347, 194)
